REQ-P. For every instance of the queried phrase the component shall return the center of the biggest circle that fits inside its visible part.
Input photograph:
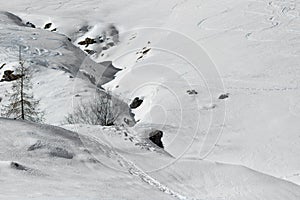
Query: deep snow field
(178, 56)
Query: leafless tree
(102, 110)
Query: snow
(248, 49)
(98, 169)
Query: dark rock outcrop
(2, 65)
(47, 26)
(90, 52)
(224, 96)
(191, 92)
(155, 137)
(17, 166)
(9, 76)
(136, 103)
(31, 25)
(87, 42)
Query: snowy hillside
(220, 80)
(40, 161)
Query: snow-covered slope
(42, 161)
(57, 165)
(179, 57)
(62, 73)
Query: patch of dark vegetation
(61, 153)
(55, 29)
(224, 96)
(136, 103)
(155, 137)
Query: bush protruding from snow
(100, 111)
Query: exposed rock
(62, 153)
(209, 107)
(90, 52)
(87, 42)
(110, 44)
(84, 29)
(31, 25)
(55, 29)
(101, 40)
(90, 77)
(140, 57)
(104, 48)
(17, 166)
(47, 26)
(224, 96)
(37, 145)
(9, 76)
(191, 92)
(146, 51)
(155, 137)
(114, 32)
(136, 103)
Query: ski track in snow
(276, 13)
(136, 171)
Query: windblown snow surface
(178, 56)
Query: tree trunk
(22, 85)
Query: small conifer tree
(22, 104)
